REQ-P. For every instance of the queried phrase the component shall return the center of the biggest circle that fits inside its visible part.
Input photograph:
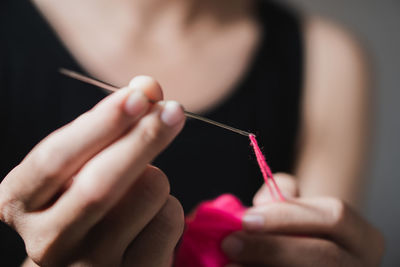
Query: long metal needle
(111, 88)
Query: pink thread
(214, 220)
(265, 170)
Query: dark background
(377, 23)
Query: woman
(87, 195)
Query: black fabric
(204, 161)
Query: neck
(106, 32)
(145, 12)
(185, 14)
(150, 8)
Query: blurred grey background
(377, 24)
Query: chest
(204, 161)
(198, 66)
(200, 76)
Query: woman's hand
(303, 232)
(86, 195)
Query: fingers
(317, 217)
(276, 250)
(144, 199)
(106, 177)
(106, 149)
(286, 183)
(155, 245)
(51, 163)
(150, 87)
(132, 213)
(56, 158)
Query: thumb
(286, 183)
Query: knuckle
(3, 205)
(39, 248)
(91, 197)
(6, 212)
(155, 184)
(5, 215)
(172, 217)
(92, 200)
(9, 207)
(48, 160)
(337, 213)
(152, 132)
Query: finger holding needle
(109, 88)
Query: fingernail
(172, 113)
(253, 221)
(232, 245)
(135, 103)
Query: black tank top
(204, 161)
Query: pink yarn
(265, 170)
(214, 220)
(206, 228)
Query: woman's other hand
(87, 195)
(303, 232)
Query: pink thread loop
(265, 170)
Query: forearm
(340, 175)
(334, 123)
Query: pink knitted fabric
(214, 220)
(205, 229)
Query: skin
(99, 202)
(303, 231)
(334, 134)
(317, 225)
